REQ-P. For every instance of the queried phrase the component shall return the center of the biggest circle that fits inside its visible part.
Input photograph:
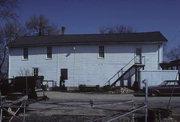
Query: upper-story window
(101, 51)
(25, 53)
(49, 52)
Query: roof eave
(81, 43)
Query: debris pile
(125, 90)
(121, 90)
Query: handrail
(119, 71)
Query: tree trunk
(3, 59)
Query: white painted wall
(157, 76)
(83, 64)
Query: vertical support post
(24, 102)
(0, 108)
(146, 100)
(136, 73)
(122, 82)
(129, 82)
(133, 112)
(26, 86)
(136, 82)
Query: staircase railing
(123, 69)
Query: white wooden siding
(83, 64)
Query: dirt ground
(56, 98)
(94, 105)
(82, 107)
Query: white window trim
(49, 58)
(33, 70)
(24, 59)
(98, 53)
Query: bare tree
(174, 53)
(115, 29)
(53, 30)
(39, 25)
(13, 30)
(7, 9)
(9, 32)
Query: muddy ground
(80, 107)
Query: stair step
(128, 70)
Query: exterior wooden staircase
(132, 69)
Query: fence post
(0, 108)
(133, 112)
(24, 106)
(146, 100)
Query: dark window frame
(25, 53)
(49, 52)
(35, 71)
(101, 52)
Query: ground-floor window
(35, 71)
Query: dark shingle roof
(88, 39)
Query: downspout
(9, 64)
(159, 47)
(58, 67)
(74, 51)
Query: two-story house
(90, 59)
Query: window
(138, 58)
(35, 71)
(25, 53)
(49, 52)
(101, 51)
(172, 84)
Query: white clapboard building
(90, 59)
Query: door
(64, 73)
(63, 77)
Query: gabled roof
(88, 39)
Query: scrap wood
(121, 90)
(20, 100)
(13, 113)
(126, 90)
(13, 107)
(10, 111)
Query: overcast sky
(86, 16)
